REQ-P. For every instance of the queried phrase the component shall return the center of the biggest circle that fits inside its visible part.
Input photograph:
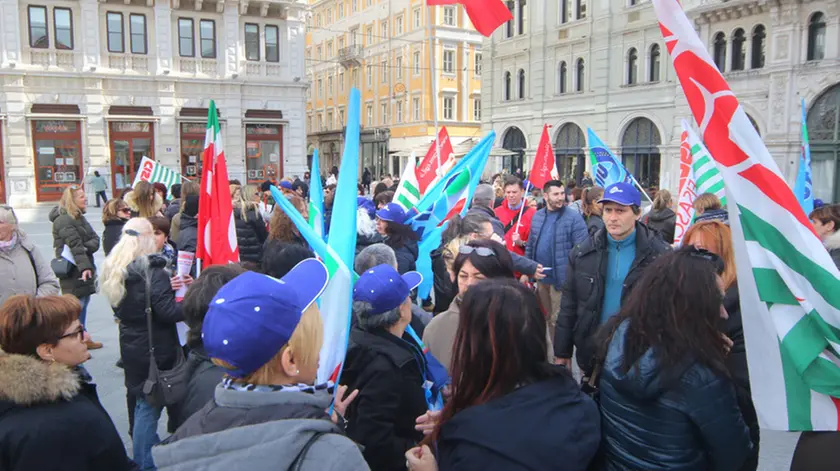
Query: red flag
(216, 228)
(543, 162)
(486, 15)
(426, 172)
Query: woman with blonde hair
(251, 232)
(267, 337)
(73, 233)
(592, 209)
(144, 201)
(123, 282)
(716, 237)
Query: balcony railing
(129, 62)
(350, 56)
(208, 67)
(47, 58)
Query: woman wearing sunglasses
(50, 416)
(114, 215)
(477, 260)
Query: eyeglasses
(80, 332)
(480, 251)
(123, 210)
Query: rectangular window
(415, 106)
(416, 62)
(399, 111)
(63, 27)
(341, 9)
(272, 43)
(383, 29)
(509, 25)
(383, 67)
(369, 34)
(448, 61)
(38, 35)
(114, 23)
(340, 44)
(341, 81)
(186, 37)
(476, 109)
(369, 75)
(369, 115)
(330, 124)
(252, 42)
(448, 107)
(207, 33)
(320, 52)
(137, 33)
(340, 118)
(399, 67)
(329, 85)
(329, 49)
(329, 18)
(399, 26)
(384, 113)
(354, 6)
(449, 16)
(417, 18)
(320, 88)
(477, 69)
(523, 16)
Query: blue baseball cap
(286, 185)
(362, 202)
(392, 212)
(622, 193)
(384, 288)
(253, 316)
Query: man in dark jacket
(601, 273)
(555, 231)
(482, 203)
(188, 234)
(175, 204)
(387, 367)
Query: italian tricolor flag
(408, 191)
(789, 287)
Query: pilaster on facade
(10, 33)
(91, 50)
(163, 37)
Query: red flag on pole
(486, 15)
(216, 228)
(426, 172)
(543, 162)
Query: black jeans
(101, 194)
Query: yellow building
(381, 47)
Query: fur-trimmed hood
(833, 241)
(129, 199)
(25, 381)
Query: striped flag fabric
(408, 192)
(316, 197)
(687, 191)
(217, 243)
(802, 189)
(427, 172)
(153, 172)
(789, 286)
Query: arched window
(579, 76)
(507, 86)
(739, 52)
(824, 139)
(569, 153)
(754, 124)
(757, 53)
(655, 63)
(514, 140)
(521, 83)
(816, 37)
(632, 66)
(509, 25)
(720, 51)
(561, 77)
(640, 151)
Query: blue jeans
(84, 301)
(145, 436)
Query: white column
(233, 45)
(91, 51)
(163, 36)
(10, 33)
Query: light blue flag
(802, 189)
(424, 260)
(316, 197)
(605, 165)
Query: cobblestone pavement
(776, 447)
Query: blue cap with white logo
(392, 212)
(622, 193)
(384, 288)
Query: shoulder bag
(163, 387)
(590, 387)
(61, 267)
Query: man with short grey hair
(482, 203)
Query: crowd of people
(573, 334)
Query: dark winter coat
(583, 291)
(363, 241)
(188, 236)
(111, 234)
(498, 227)
(663, 221)
(51, 420)
(569, 230)
(406, 255)
(502, 435)
(83, 242)
(204, 377)
(389, 374)
(250, 234)
(445, 288)
(134, 334)
(172, 209)
(648, 422)
(594, 223)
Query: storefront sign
(262, 129)
(130, 127)
(55, 126)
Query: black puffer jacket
(134, 334)
(406, 255)
(363, 241)
(250, 234)
(594, 223)
(663, 221)
(583, 291)
(77, 234)
(51, 420)
(111, 234)
(204, 377)
(389, 374)
(188, 236)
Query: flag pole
(433, 77)
(522, 208)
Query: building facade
(603, 64)
(381, 47)
(97, 85)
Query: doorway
(130, 142)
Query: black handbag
(61, 267)
(590, 387)
(163, 387)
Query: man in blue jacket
(555, 231)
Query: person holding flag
(515, 217)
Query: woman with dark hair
(390, 224)
(382, 196)
(477, 260)
(667, 400)
(592, 209)
(282, 229)
(826, 220)
(502, 387)
(662, 218)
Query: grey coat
(20, 277)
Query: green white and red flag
(408, 192)
(789, 286)
(216, 228)
(428, 172)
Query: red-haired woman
(510, 409)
